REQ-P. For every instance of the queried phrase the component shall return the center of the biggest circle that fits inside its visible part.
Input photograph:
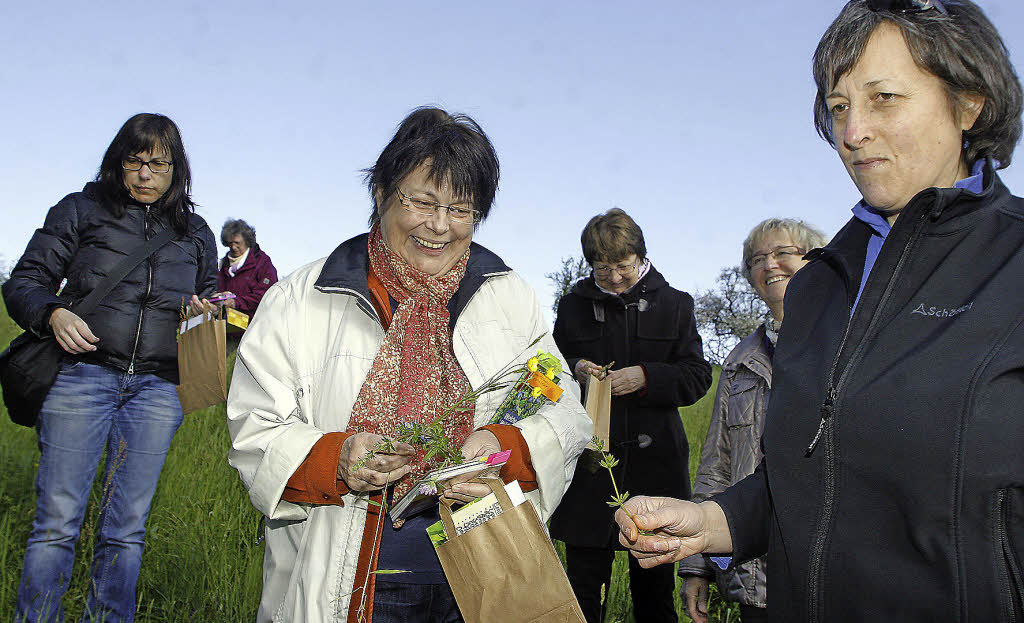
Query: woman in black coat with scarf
(627, 313)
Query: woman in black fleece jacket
(892, 486)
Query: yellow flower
(550, 373)
(531, 364)
(536, 392)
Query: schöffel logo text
(942, 312)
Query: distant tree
(6, 266)
(572, 270)
(727, 313)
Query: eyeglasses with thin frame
(131, 163)
(623, 270)
(907, 6)
(790, 252)
(423, 207)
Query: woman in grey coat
(772, 253)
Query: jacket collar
(250, 261)
(587, 289)
(752, 354)
(947, 207)
(347, 267)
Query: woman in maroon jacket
(246, 272)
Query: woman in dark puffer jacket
(115, 389)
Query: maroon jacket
(251, 281)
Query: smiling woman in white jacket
(318, 353)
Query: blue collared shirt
(881, 227)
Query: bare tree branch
(727, 313)
(572, 270)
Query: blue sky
(693, 117)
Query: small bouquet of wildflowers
(537, 384)
(531, 384)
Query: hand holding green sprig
(430, 436)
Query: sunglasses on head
(907, 6)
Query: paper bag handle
(217, 314)
(496, 486)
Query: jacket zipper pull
(826, 413)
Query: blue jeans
(91, 408)
(396, 602)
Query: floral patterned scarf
(414, 376)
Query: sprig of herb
(608, 461)
(430, 436)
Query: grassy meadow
(201, 561)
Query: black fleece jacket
(136, 323)
(910, 505)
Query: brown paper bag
(506, 570)
(599, 406)
(202, 366)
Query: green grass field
(201, 561)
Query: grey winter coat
(732, 450)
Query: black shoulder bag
(29, 366)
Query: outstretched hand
(677, 529)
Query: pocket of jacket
(660, 322)
(742, 401)
(1006, 504)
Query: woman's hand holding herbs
(677, 529)
(369, 473)
(627, 380)
(480, 443)
(585, 368)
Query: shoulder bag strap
(122, 269)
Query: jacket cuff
(42, 328)
(696, 564)
(519, 465)
(316, 479)
(747, 509)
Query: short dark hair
(237, 227)
(611, 237)
(143, 132)
(459, 152)
(962, 49)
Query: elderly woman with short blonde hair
(773, 252)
